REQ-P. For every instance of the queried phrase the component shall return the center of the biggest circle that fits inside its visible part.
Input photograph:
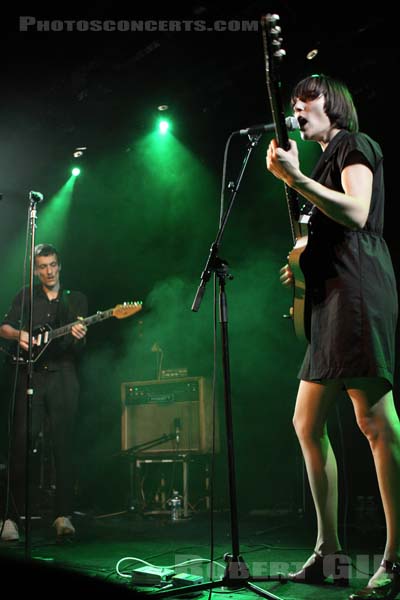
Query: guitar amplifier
(160, 416)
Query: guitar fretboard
(99, 316)
(273, 55)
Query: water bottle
(176, 506)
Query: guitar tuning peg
(273, 18)
(280, 53)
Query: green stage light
(163, 126)
(76, 171)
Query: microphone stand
(34, 198)
(236, 573)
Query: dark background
(139, 225)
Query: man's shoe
(9, 533)
(64, 527)
(389, 587)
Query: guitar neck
(294, 212)
(278, 115)
(283, 142)
(65, 329)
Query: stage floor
(103, 544)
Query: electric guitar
(44, 334)
(274, 54)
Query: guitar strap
(64, 308)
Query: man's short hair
(46, 250)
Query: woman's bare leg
(310, 416)
(378, 420)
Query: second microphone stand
(34, 199)
(237, 574)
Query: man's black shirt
(63, 310)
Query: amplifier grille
(176, 415)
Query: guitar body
(299, 311)
(274, 54)
(42, 338)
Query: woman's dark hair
(339, 105)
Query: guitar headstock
(274, 53)
(121, 311)
(272, 36)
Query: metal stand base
(236, 577)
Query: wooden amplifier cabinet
(176, 412)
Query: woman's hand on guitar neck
(283, 164)
(286, 276)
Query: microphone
(291, 124)
(36, 196)
(177, 426)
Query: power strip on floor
(183, 579)
(152, 576)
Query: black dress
(349, 277)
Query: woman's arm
(350, 208)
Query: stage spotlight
(163, 126)
(76, 171)
(78, 152)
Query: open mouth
(302, 122)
